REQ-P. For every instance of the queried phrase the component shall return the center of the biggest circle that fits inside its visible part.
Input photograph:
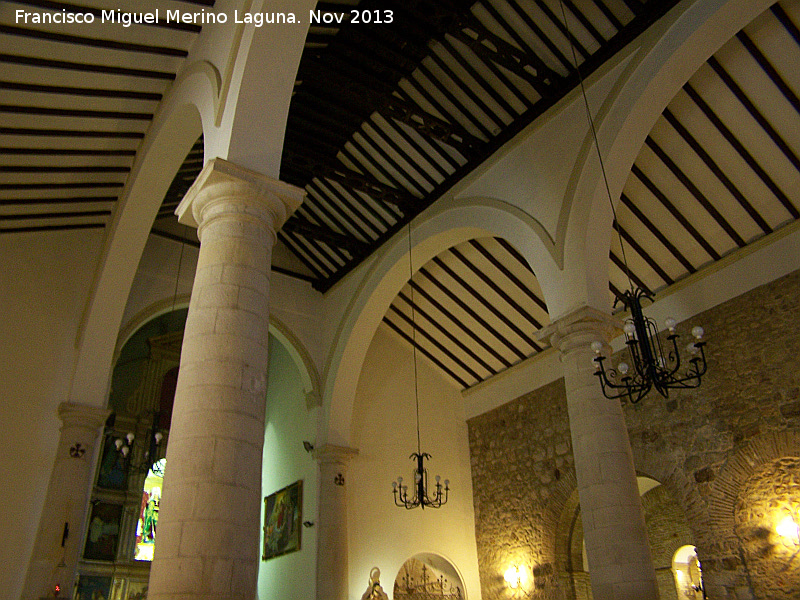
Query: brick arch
(564, 508)
(679, 486)
(759, 451)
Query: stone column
(620, 564)
(208, 533)
(332, 550)
(57, 546)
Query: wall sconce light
(788, 529)
(515, 576)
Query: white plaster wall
(44, 283)
(289, 422)
(155, 279)
(384, 432)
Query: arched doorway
(688, 573)
(425, 576)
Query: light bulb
(437, 478)
(130, 437)
(394, 486)
(670, 323)
(691, 348)
(159, 436)
(698, 332)
(629, 329)
(596, 346)
(400, 481)
(788, 528)
(512, 577)
(446, 483)
(623, 368)
(125, 450)
(118, 443)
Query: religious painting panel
(282, 517)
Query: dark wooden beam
(11, 151)
(62, 169)
(500, 266)
(742, 151)
(70, 112)
(754, 112)
(55, 215)
(769, 69)
(47, 201)
(716, 170)
(304, 227)
(698, 195)
(426, 353)
(27, 131)
(79, 91)
(47, 63)
(677, 215)
(77, 40)
(419, 330)
(637, 247)
(490, 306)
(79, 185)
(464, 330)
(40, 228)
(656, 232)
(428, 125)
(436, 323)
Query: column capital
(331, 454)
(580, 328)
(223, 179)
(73, 414)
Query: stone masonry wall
(703, 445)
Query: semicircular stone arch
(450, 225)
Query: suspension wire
(413, 337)
(596, 143)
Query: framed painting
(112, 472)
(93, 587)
(103, 533)
(282, 518)
(137, 589)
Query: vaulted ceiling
(384, 120)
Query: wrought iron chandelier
(651, 365)
(419, 496)
(152, 454)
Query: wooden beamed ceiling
(384, 119)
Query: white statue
(374, 589)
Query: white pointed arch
(300, 357)
(448, 224)
(173, 133)
(669, 54)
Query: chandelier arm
(643, 391)
(625, 390)
(635, 352)
(674, 339)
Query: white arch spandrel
(669, 55)
(447, 224)
(258, 85)
(174, 131)
(241, 108)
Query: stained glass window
(148, 512)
